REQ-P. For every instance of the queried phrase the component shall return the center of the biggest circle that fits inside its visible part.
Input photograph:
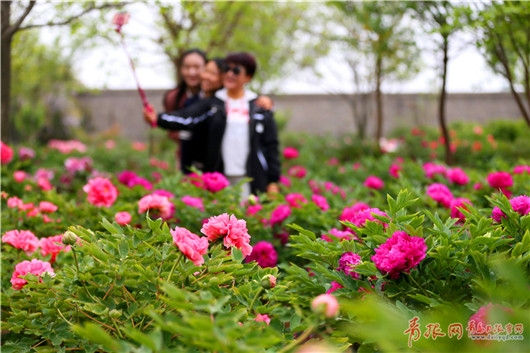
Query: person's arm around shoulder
(183, 119)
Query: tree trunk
(378, 101)
(441, 108)
(5, 71)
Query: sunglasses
(236, 70)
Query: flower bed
(104, 249)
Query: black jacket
(263, 163)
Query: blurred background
(362, 68)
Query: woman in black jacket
(242, 137)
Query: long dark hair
(182, 86)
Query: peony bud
(253, 200)
(69, 238)
(115, 314)
(325, 304)
(268, 281)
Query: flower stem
(417, 285)
(174, 266)
(299, 340)
(82, 281)
(254, 299)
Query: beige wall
(319, 114)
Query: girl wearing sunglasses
(242, 139)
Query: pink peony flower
(67, 146)
(477, 186)
(101, 192)
(440, 193)
(297, 171)
(191, 245)
(162, 192)
(341, 234)
(520, 204)
(500, 180)
(22, 239)
(234, 231)
(264, 254)
(139, 146)
(521, 169)
(373, 182)
(347, 263)
(264, 318)
(279, 214)
(19, 176)
(44, 184)
(53, 245)
(400, 253)
(460, 202)
(25, 153)
(215, 181)
(478, 323)
(76, 165)
(195, 179)
(334, 287)
(110, 144)
(36, 267)
(285, 181)
(326, 304)
(14, 202)
(6, 153)
(140, 181)
(123, 218)
(290, 153)
(349, 212)
(47, 207)
(394, 170)
(432, 169)
(320, 201)
(253, 209)
(363, 216)
(295, 200)
(193, 202)
(158, 205)
(126, 176)
(457, 176)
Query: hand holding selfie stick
(119, 20)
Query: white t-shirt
(236, 144)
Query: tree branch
(72, 18)
(11, 29)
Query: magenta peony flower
(44, 184)
(158, 206)
(290, 153)
(440, 193)
(400, 253)
(36, 267)
(500, 180)
(193, 202)
(283, 237)
(521, 169)
(457, 176)
(460, 202)
(195, 179)
(285, 181)
(326, 304)
(295, 200)
(253, 209)
(520, 204)
(146, 184)
(341, 234)
(320, 201)
(264, 254)
(215, 181)
(25, 153)
(348, 213)
(478, 323)
(101, 192)
(264, 318)
(432, 169)
(234, 231)
(47, 207)
(22, 239)
(373, 182)
(279, 214)
(123, 218)
(126, 176)
(53, 245)
(19, 176)
(347, 263)
(334, 287)
(297, 171)
(394, 170)
(6, 153)
(363, 216)
(191, 245)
